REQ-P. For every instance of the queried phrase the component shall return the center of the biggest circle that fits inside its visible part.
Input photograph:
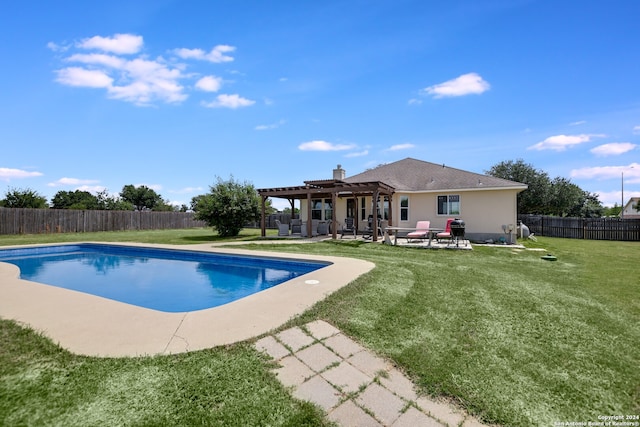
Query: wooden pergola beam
(328, 189)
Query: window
(449, 205)
(404, 208)
(328, 210)
(316, 209)
(363, 208)
(383, 211)
(351, 208)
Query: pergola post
(263, 231)
(309, 221)
(374, 222)
(334, 231)
(324, 190)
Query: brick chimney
(338, 173)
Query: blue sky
(174, 94)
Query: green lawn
(512, 338)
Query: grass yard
(511, 338)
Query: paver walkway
(355, 387)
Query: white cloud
(466, 84)
(119, 43)
(76, 76)
(613, 148)
(561, 142)
(7, 174)
(154, 187)
(209, 84)
(399, 147)
(631, 172)
(216, 55)
(579, 122)
(271, 126)
(93, 189)
(110, 61)
(324, 146)
(141, 80)
(56, 47)
(414, 101)
(358, 154)
(636, 130)
(186, 190)
(72, 181)
(229, 101)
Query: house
(630, 210)
(405, 192)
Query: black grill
(457, 230)
(457, 227)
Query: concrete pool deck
(96, 326)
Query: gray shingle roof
(417, 175)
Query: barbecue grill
(457, 231)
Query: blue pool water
(160, 279)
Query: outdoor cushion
(422, 231)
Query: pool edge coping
(94, 326)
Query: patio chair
(446, 234)
(348, 228)
(421, 233)
(296, 226)
(314, 228)
(367, 233)
(283, 229)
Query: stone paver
(442, 411)
(318, 391)
(318, 357)
(272, 347)
(294, 338)
(385, 405)
(350, 415)
(347, 378)
(343, 346)
(354, 386)
(399, 384)
(368, 363)
(472, 422)
(293, 372)
(415, 418)
(321, 329)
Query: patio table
(431, 233)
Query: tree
(142, 197)
(165, 206)
(591, 207)
(112, 203)
(566, 198)
(74, 200)
(228, 206)
(613, 210)
(296, 211)
(544, 196)
(536, 198)
(23, 198)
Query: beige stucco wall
(484, 212)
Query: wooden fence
(583, 228)
(37, 221)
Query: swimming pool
(86, 324)
(167, 280)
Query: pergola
(325, 189)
